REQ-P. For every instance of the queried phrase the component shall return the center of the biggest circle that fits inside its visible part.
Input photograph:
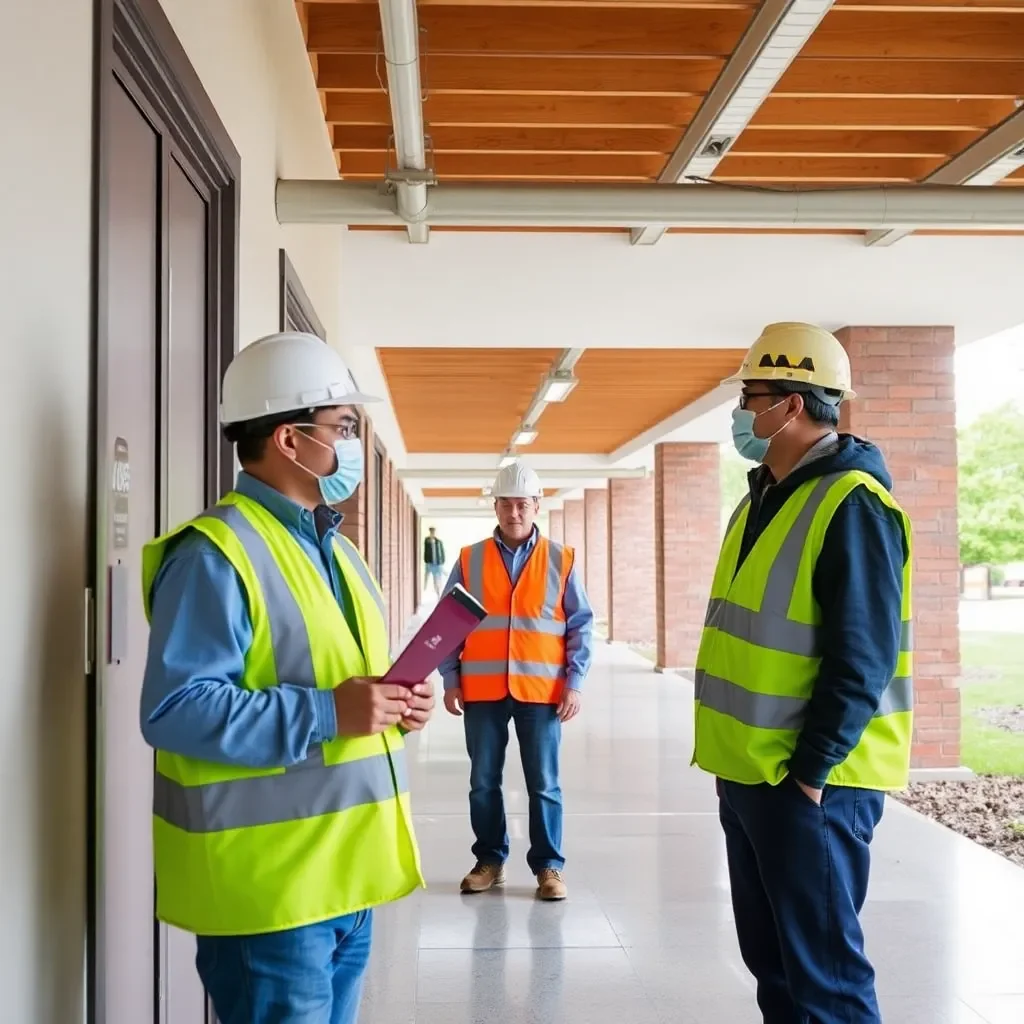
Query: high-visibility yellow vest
(242, 851)
(520, 647)
(761, 649)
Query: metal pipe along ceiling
(400, 32)
(941, 207)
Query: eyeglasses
(747, 395)
(346, 430)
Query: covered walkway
(647, 936)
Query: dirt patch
(988, 809)
(1009, 717)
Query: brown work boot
(483, 877)
(550, 885)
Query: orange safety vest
(520, 647)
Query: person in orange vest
(525, 662)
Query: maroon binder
(454, 617)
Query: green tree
(992, 487)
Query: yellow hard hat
(797, 354)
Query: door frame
(133, 42)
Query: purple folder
(454, 617)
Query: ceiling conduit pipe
(400, 31)
(939, 207)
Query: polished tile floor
(646, 936)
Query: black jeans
(799, 877)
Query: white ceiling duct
(940, 207)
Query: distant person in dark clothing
(433, 561)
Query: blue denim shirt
(579, 616)
(192, 699)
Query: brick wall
(575, 533)
(630, 587)
(904, 381)
(556, 525)
(687, 525)
(595, 531)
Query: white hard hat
(284, 373)
(800, 355)
(517, 480)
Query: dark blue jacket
(858, 583)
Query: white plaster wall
(45, 177)
(250, 57)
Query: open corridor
(646, 936)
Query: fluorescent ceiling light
(557, 387)
(506, 460)
(485, 491)
(483, 502)
(524, 437)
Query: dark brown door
(126, 934)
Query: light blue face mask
(340, 485)
(747, 443)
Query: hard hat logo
(807, 363)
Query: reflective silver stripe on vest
(553, 584)
(540, 669)
(552, 627)
(303, 791)
(363, 573)
(293, 656)
(768, 711)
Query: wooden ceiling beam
(456, 139)
(542, 31)
(612, 167)
(554, 29)
(553, 111)
(518, 166)
(888, 114)
(821, 142)
(713, 5)
(448, 75)
(919, 35)
(824, 169)
(877, 112)
(655, 141)
(906, 78)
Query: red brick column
(556, 525)
(631, 605)
(687, 527)
(575, 533)
(905, 403)
(595, 531)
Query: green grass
(993, 674)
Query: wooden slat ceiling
(472, 400)
(601, 90)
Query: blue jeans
(540, 733)
(310, 975)
(799, 877)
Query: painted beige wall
(45, 110)
(252, 62)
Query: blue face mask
(747, 443)
(340, 485)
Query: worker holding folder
(281, 806)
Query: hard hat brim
(320, 399)
(783, 375)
